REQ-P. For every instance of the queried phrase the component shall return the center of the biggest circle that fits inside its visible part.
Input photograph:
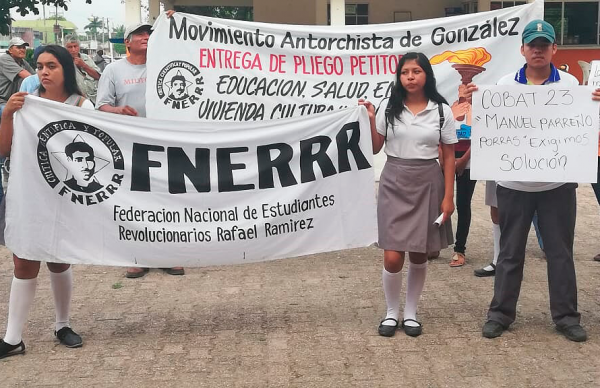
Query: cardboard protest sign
(529, 133)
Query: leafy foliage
(119, 48)
(119, 31)
(219, 11)
(29, 58)
(25, 7)
(95, 24)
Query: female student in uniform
(413, 192)
(57, 76)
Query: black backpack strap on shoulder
(442, 118)
(387, 109)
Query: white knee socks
(496, 247)
(392, 284)
(22, 292)
(62, 287)
(415, 281)
(496, 242)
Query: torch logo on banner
(179, 85)
(468, 63)
(81, 162)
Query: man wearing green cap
(556, 207)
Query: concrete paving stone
(310, 322)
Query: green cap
(538, 29)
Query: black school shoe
(69, 338)
(481, 273)
(7, 350)
(413, 331)
(385, 330)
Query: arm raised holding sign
(412, 188)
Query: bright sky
(79, 12)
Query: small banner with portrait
(89, 187)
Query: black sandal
(386, 330)
(7, 350)
(413, 331)
(482, 273)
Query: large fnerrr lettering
(271, 160)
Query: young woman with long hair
(413, 191)
(56, 72)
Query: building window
(355, 14)
(575, 23)
(505, 4)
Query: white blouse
(417, 136)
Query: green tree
(119, 31)
(29, 58)
(94, 26)
(119, 48)
(24, 7)
(219, 11)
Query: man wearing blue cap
(556, 207)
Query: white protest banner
(534, 134)
(594, 77)
(97, 188)
(202, 68)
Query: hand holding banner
(98, 188)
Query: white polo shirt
(557, 77)
(417, 136)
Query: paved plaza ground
(310, 322)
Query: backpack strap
(80, 101)
(387, 109)
(442, 118)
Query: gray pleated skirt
(410, 195)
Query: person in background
(13, 70)
(32, 83)
(596, 187)
(122, 90)
(465, 186)
(492, 202)
(88, 73)
(99, 60)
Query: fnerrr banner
(97, 188)
(202, 68)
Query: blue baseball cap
(538, 29)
